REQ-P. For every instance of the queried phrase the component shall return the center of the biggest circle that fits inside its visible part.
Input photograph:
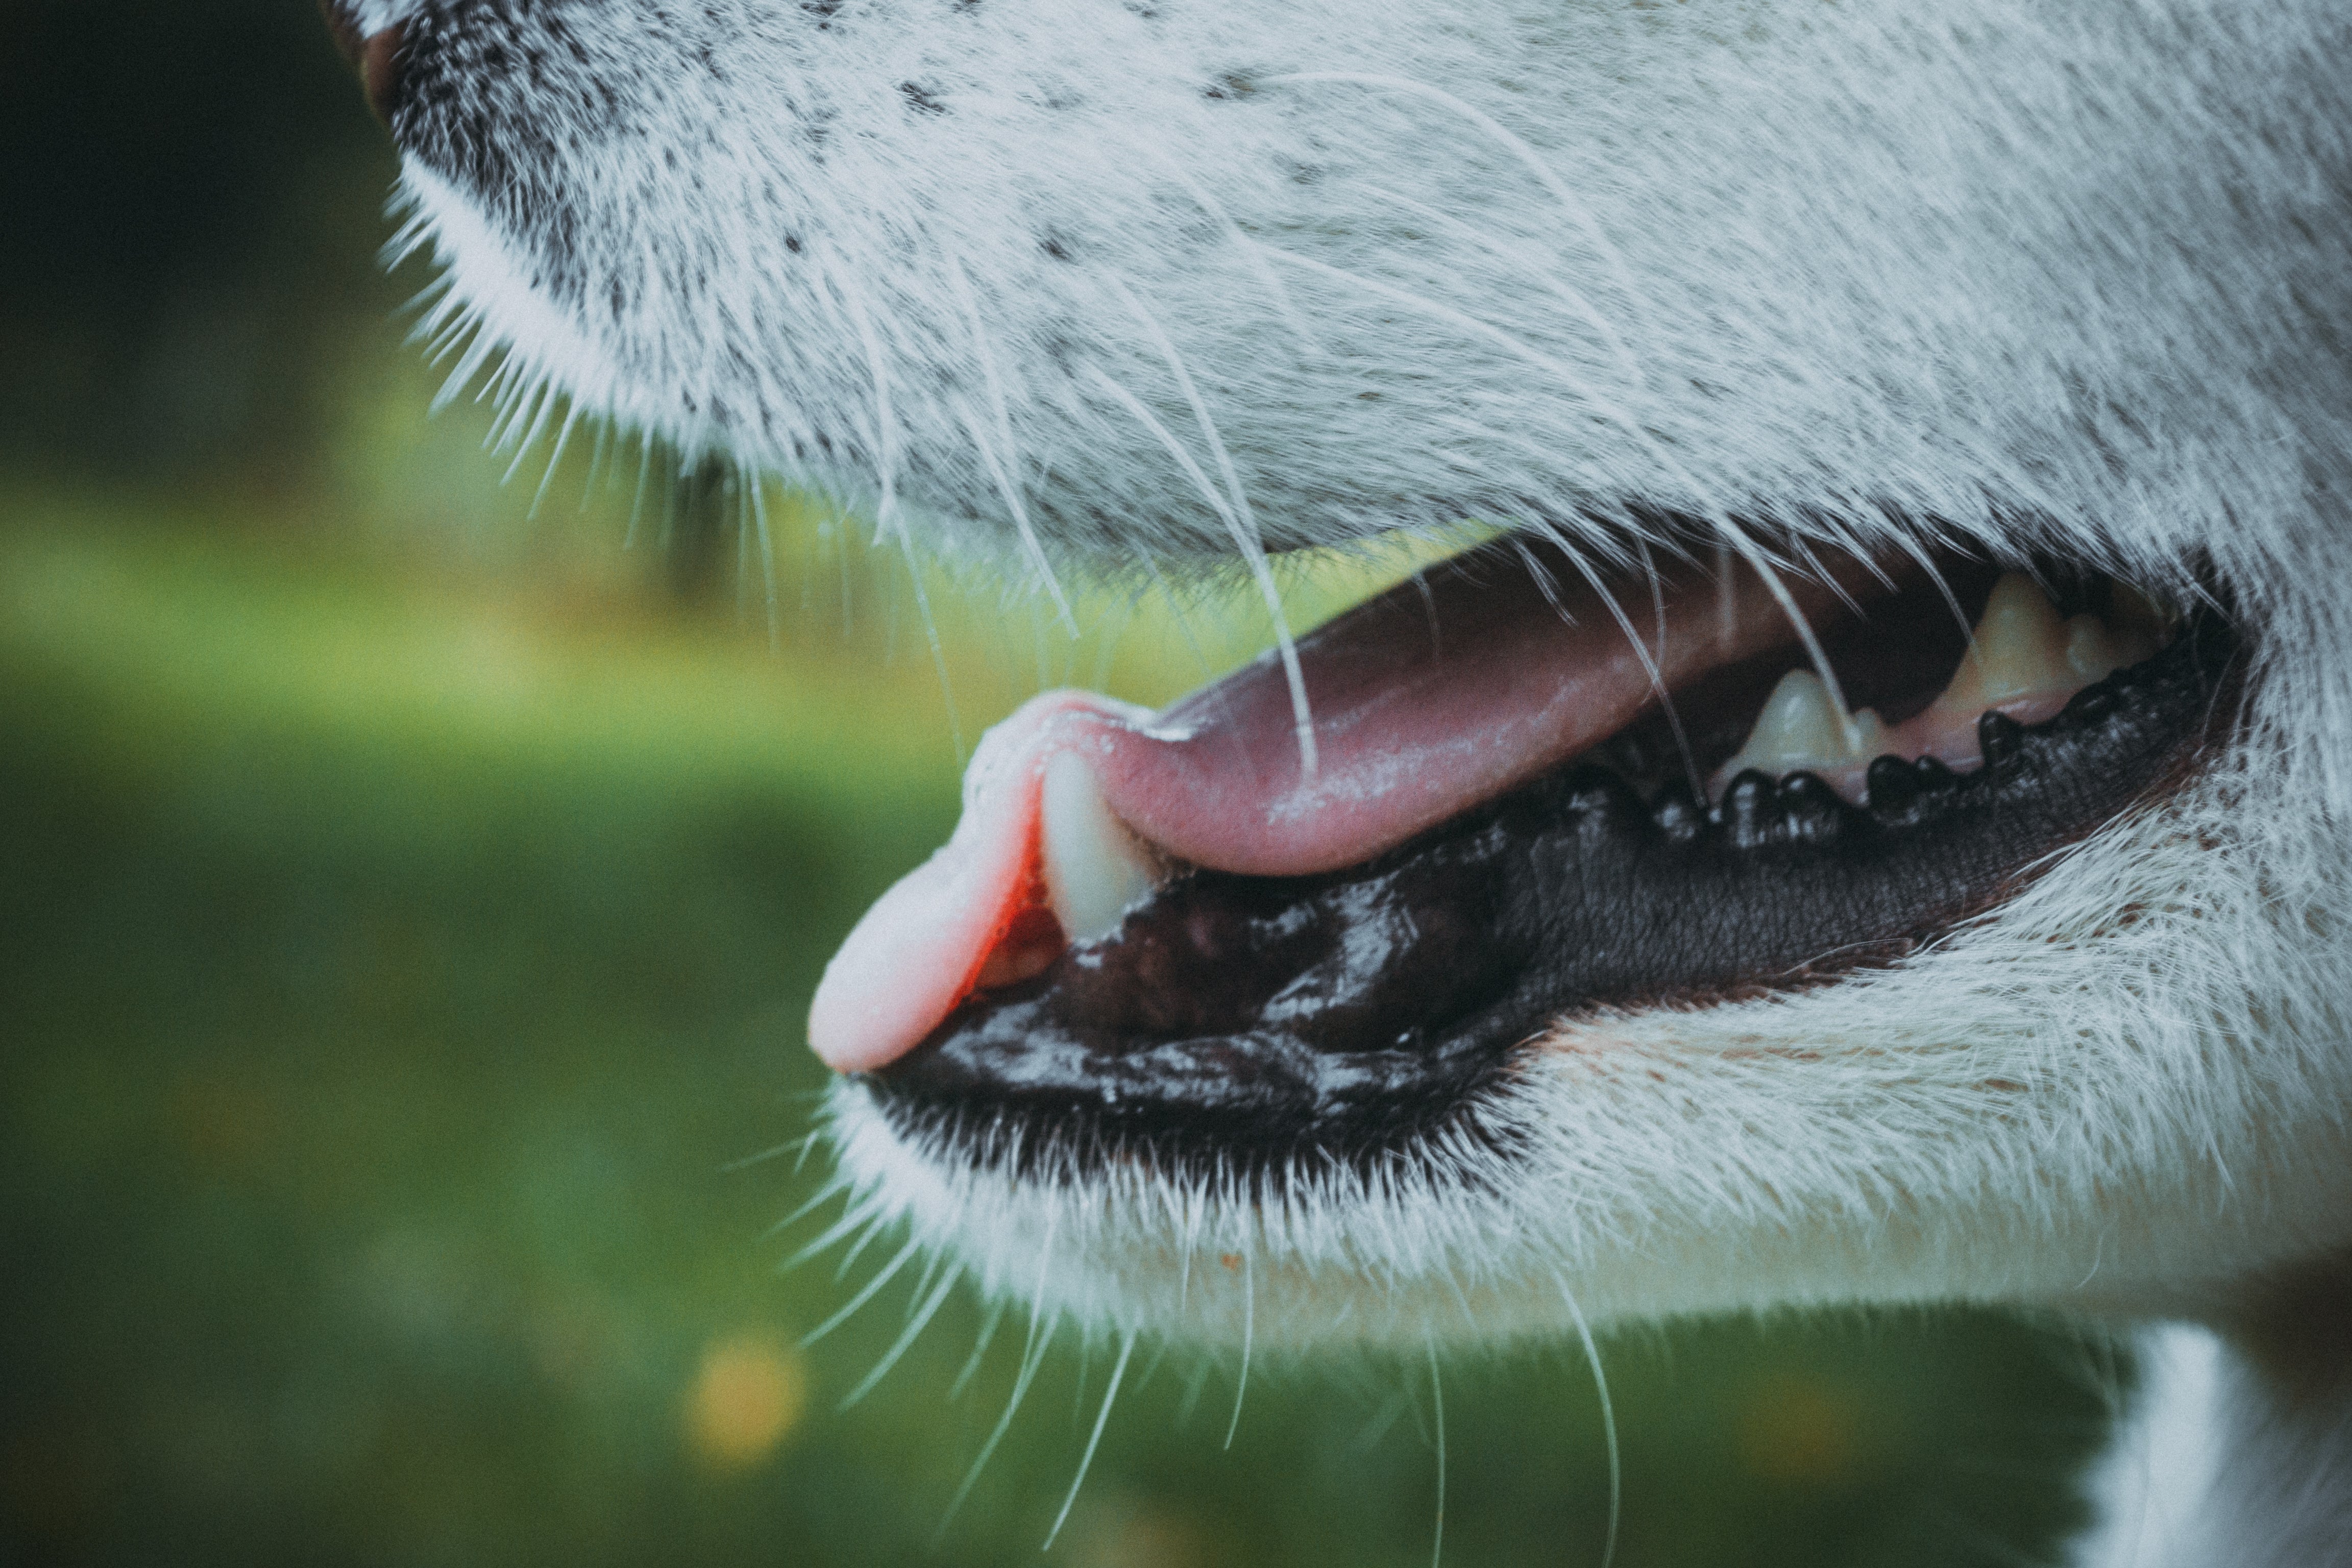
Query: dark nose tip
(376, 56)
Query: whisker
(890, 1271)
(889, 521)
(1641, 649)
(1815, 654)
(915, 1327)
(1302, 716)
(1516, 347)
(1093, 1441)
(852, 1220)
(1507, 139)
(999, 465)
(1195, 1386)
(1032, 1354)
(637, 502)
(758, 492)
(794, 1146)
(1249, 1334)
(1242, 524)
(1549, 278)
(1437, 1401)
(979, 1349)
(1608, 1416)
(1031, 1358)
(1266, 275)
(543, 407)
(554, 459)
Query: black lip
(1236, 1024)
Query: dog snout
(376, 55)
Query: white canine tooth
(1801, 728)
(2019, 650)
(1096, 867)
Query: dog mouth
(1250, 929)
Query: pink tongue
(1426, 700)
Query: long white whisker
(554, 459)
(920, 1321)
(1249, 1334)
(1437, 1401)
(637, 501)
(888, 519)
(1257, 262)
(758, 492)
(1641, 648)
(853, 1218)
(1815, 654)
(834, 1184)
(1195, 1386)
(1030, 1360)
(796, 1147)
(1608, 1416)
(1242, 523)
(978, 1349)
(1558, 368)
(1673, 715)
(890, 1271)
(544, 410)
(1728, 528)
(1001, 465)
(1509, 139)
(858, 1247)
(1093, 1441)
(1550, 279)
(1302, 716)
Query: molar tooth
(2018, 650)
(1096, 867)
(1802, 728)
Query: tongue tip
(927, 942)
(895, 977)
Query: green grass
(403, 965)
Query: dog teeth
(2095, 650)
(2019, 649)
(2022, 651)
(1801, 728)
(1096, 867)
(2023, 662)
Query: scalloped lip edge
(1048, 1130)
(1447, 691)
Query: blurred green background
(411, 884)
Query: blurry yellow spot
(749, 1392)
(1799, 1433)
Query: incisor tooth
(1802, 728)
(2018, 650)
(1096, 867)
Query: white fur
(2066, 277)
(2214, 1467)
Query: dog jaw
(2098, 1100)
